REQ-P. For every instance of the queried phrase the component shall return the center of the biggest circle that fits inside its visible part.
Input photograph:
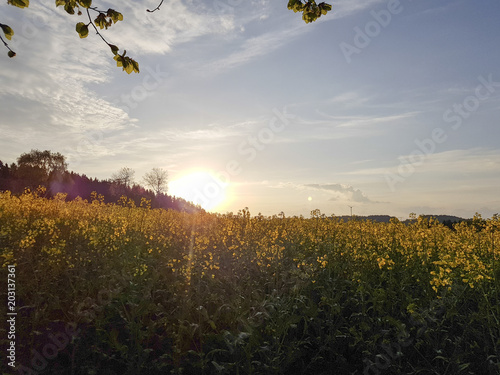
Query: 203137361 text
(11, 315)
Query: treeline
(47, 169)
(447, 220)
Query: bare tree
(124, 176)
(157, 180)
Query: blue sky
(390, 107)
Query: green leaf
(119, 60)
(114, 15)
(135, 64)
(114, 49)
(82, 29)
(294, 5)
(129, 68)
(85, 3)
(69, 9)
(325, 6)
(11, 54)
(212, 324)
(19, 3)
(463, 366)
(102, 21)
(7, 31)
(126, 63)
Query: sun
(200, 187)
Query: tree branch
(11, 52)
(155, 9)
(95, 28)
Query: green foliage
(82, 29)
(37, 166)
(103, 20)
(9, 33)
(71, 5)
(46, 160)
(114, 49)
(310, 10)
(129, 65)
(19, 3)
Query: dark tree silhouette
(37, 167)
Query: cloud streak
(333, 191)
(340, 192)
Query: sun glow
(202, 188)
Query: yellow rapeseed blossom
(77, 234)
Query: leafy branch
(8, 32)
(309, 9)
(104, 20)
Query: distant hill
(376, 218)
(443, 219)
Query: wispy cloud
(333, 191)
(350, 98)
(340, 192)
(475, 161)
(351, 121)
(280, 33)
(177, 22)
(255, 47)
(210, 134)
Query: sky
(388, 107)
